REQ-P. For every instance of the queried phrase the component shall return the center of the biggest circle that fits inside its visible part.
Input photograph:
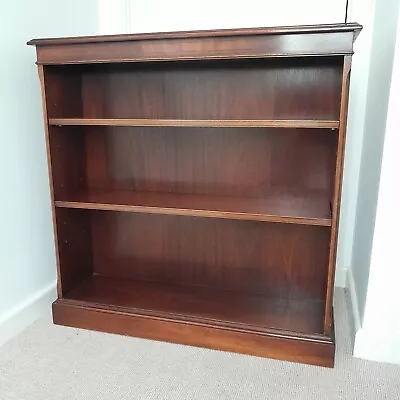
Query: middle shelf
(307, 208)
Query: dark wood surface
(240, 126)
(67, 156)
(40, 70)
(201, 304)
(292, 347)
(259, 43)
(311, 208)
(74, 247)
(281, 260)
(328, 321)
(216, 48)
(241, 162)
(63, 91)
(231, 89)
(195, 123)
(276, 89)
(256, 164)
(276, 30)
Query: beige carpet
(51, 362)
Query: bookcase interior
(225, 220)
(265, 275)
(265, 89)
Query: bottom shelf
(203, 305)
(200, 317)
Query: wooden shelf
(229, 309)
(200, 123)
(297, 208)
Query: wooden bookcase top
(289, 41)
(277, 30)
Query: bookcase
(195, 181)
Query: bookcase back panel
(63, 86)
(74, 247)
(216, 161)
(284, 88)
(270, 259)
(68, 162)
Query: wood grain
(283, 89)
(275, 260)
(328, 320)
(74, 247)
(231, 162)
(200, 304)
(291, 44)
(50, 175)
(63, 92)
(292, 347)
(194, 123)
(67, 154)
(277, 206)
(276, 30)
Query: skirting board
(23, 314)
(341, 277)
(381, 346)
(354, 313)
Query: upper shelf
(196, 123)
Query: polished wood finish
(50, 172)
(181, 172)
(267, 89)
(328, 322)
(302, 208)
(228, 309)
(280, 260)
(276, 30)
(74, 247)
(196, 200)
(226, 44)
(231, 162)
(280, 345)
(204, 123)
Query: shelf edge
(195, 213)
(198, 321)
(322, 124)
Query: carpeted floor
(52, 362)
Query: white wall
(158, 15)
(210, 14)
(27, 259)
(379, 338)
(366, 133)
(363, 12)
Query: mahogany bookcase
(195, 181)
